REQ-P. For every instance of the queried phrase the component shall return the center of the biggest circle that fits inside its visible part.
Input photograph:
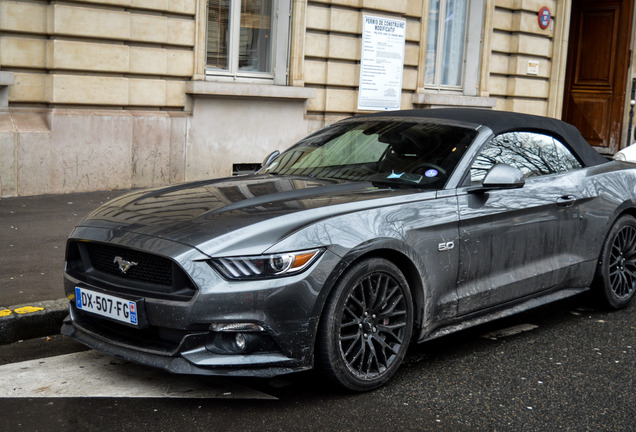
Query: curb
(32, 320)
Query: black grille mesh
(149, 268)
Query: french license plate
(106, 305)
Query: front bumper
(195, 359)
(181, 335)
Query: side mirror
(271, 157)
(500, 176)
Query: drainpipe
(632, 102)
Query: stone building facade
(118, 94)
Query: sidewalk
(33, 233)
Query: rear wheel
(366, 326)
(615, 281)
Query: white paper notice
(381, 63)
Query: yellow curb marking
(5, 312)
(27, 309)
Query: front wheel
(366, 325)
(615, 280)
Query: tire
(366, 326)
(615, 280)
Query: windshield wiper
(398, 184)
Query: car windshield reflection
(416, 153)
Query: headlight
(265, 266)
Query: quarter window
(534, 154)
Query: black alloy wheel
(616, 271)
(366, 326)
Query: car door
(517, 242)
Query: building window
(246, 38)
(453, 45)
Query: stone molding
(431, 100)
(249, 91)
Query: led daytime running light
(265, 266)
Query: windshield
(397, 152)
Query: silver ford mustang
(376, 231)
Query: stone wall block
(345, 21)
(89, 22)
(343, 74)
(181, 31)
(528, 87)
(147, 92)
(319, 102)
(528, 23)
(119, 3)
(499, 63)
(149, 28)
(22, 52)
(315, 72)
(502, 20)
(175, 93)
(187, 7)
(178, 132)
(519, 66)
(77, 89)
(8, 150)
(392, 7)
(414, 8)
(501, 42)
(23, 17)
(533, 45)
(406, 101)
(28, 87)
(528, 106)
(318, 17)
(150, 4)
(342, 100)
(150, 61)
(347, 3)
(150, 150)
(536, 5)
(498, 85)
(317, 45)
(180, 63)
(344, 47)
(87, 56)
(409, 79)
(413, 30)
(411, 55)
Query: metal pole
(632, 102)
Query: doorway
(597, 67)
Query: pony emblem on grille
(124, 265)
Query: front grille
(146, 275)
(147, 268)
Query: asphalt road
(572, 369)
(33, 236)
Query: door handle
(566, 201)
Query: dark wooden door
(598, 62)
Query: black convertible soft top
(503, 121)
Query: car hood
(212, 213)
